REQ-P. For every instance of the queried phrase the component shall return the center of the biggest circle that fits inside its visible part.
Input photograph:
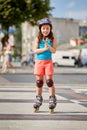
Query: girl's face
(6, 43)
(45, 29)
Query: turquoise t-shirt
(46, 55)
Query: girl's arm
(39, 50)
(53, 48)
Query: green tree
(14, 12)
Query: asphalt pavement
(16, 105)
(57, 70)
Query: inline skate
(52, 103)
(38, 103)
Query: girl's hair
(50, 36)
(4, 39)
(45, 21)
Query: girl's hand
(53, 48)
(46, 46)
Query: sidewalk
(58, 70)
(16, 108)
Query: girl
(8, 57)
(43, 48)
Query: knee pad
(39, 83)
(49, 82)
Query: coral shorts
(43, 67)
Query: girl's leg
(12, 66)
(52, 97)
(39, 85)
(5, 67)
(50, 84)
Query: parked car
(63, 58)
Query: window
(73, 57)
(65, 57)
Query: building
(28, 37)
(64, 30)
(82, 28)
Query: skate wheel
(51, 111)
(36, 110)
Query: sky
(76, 9)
